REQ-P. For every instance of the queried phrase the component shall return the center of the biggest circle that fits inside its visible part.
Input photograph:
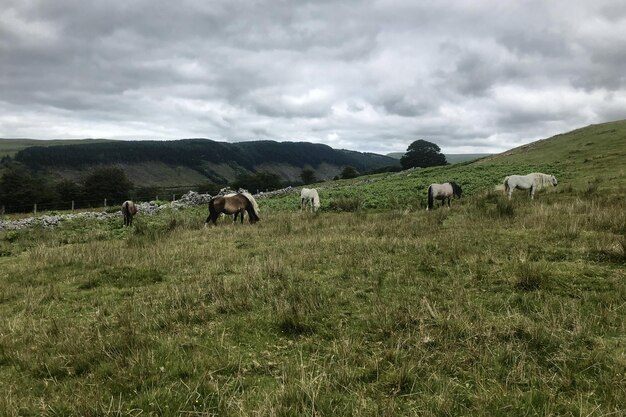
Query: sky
(471, 76)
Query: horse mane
(251, 199)
(456, 189)
(541, 180)
(316, 198)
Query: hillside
(9, 147)
(595, 152)
(584, 160)
(194, 159)
(452, 158)
(492, 308)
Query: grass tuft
(531, 276)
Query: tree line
(195, 153)
(20, 187)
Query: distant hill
(452, 158)
(595, 153)
(588, 163)
(190, 161)
(9, 147)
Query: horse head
(553, 179)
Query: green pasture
(370, 307)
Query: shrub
(346, 203)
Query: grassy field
(491, 308)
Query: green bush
(346, 203)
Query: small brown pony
(129, 209)
(233, 204)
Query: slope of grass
(585, 161)
(478, 310)
(596, 151)
(494, 307)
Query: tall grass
(464, 311)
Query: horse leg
(302, 204)
(532, 193)
(449, 201)
(241, 214)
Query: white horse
(442, 192)
(530, 182)
(309, 196)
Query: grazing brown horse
(129, 209)
(233, 204)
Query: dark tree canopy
(308, 176)
(19, 189)
(107, 182)
(349, 172)
(422, 153)
(259, 181)
(68, 190)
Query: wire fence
(144, 194)
(138, 195)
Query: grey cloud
(371, 75)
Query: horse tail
(211, 210)
(128, 210)
(255, 206)
(506, 184)
(430, 197)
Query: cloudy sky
(471, 76)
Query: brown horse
(233, 204)
(129, 209)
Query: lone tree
(349, 172)
(308, 176)
(107, 182)
(258, 181)
(422, 153)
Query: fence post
(156, 197)
(72, 206)
(35, 208)
(173, 197)
(105, 203)
(2, 210)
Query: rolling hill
(190, 161)
(9, 146)
(491, 308)
(452, 158)
(585, 160)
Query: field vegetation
(371, 306)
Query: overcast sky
(471, 76)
